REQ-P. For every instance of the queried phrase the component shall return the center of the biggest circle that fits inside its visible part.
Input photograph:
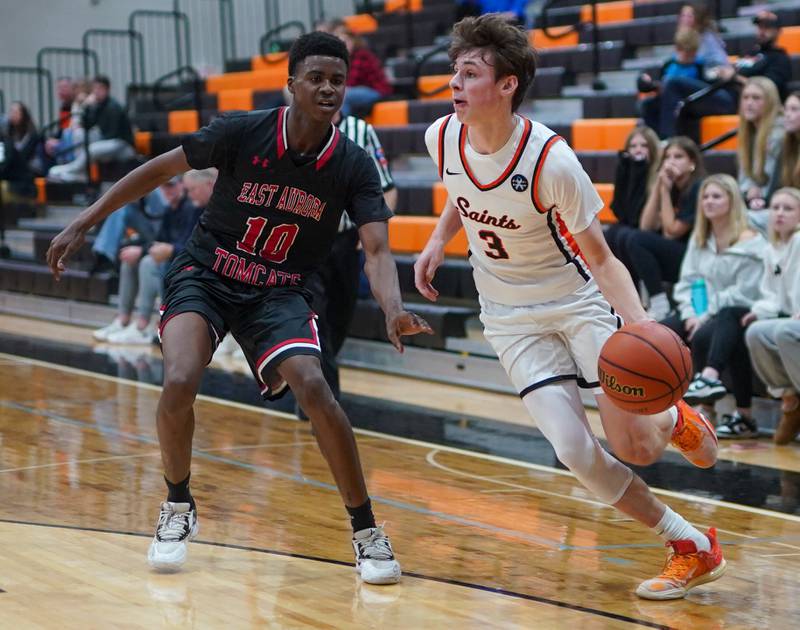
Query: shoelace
(376, 547)
(173, 526)
(678, 566)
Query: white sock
(673, 526)
(673, 413)
(659, 306)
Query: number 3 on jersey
(278, 243)
(495, 245)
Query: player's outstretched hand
(405, 323)
(425, 268)
(66, 243)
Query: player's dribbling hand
(66, 243)
(405, 323)
(425, 268)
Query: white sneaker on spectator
(659, 307)
(102, 334)
(227, 346)
(131, 335)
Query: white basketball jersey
(519, 207)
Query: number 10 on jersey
(276, 247)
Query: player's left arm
(611, 275)
(382, 274)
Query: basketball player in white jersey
(543, 272)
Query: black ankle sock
(361, 517)
(179, 492)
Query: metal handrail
(43, 79)
(179, 19)
(719, 140)
(420, 61)
(134, 38)
(2, 102)
(196, 87)
(695, 97)
(267, 38)
(227, 28)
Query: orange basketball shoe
(694, 436)
(685, 568)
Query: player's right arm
(133, 186)
(432, 255)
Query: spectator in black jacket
(18, 142)
(110, 134)
(637, 172)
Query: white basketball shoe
(375, 560)
(177, 525)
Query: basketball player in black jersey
(285, 176)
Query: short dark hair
(317, 43)
(102, 80)
(508, 44)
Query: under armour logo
(259, 161)
(519, 183)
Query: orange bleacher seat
(272, 79)
(410, 234)
(228, 100)
(361, 23)
(183, 121)
(789, 38)
(389, 114)
(141, 141)
(538, 39)
(41, 190)
(621, 11)
(438, 198)
(274, 62)
(606, 192)
(601, 134)
(714, 126)
(402, 5)
(434, 82)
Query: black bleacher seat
(447, 321)
(640, 32)
(389, 41)
(453, 279)
(75, 284)
(610, 105)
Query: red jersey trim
(537, 170)
(462, 141)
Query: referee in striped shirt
(335, 285)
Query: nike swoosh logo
(449, 172)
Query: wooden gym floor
(501, 538)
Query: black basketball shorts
(270, 326)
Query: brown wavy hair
(790, 154)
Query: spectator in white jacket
(773, 336)
(728, 257)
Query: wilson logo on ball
(610, 383)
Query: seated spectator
(18, 142)
(765, 59)
(727, 257)
(773, 336)
(636, 175)
(65, 93)
(141, 274)
(60, 147)
(110, 134)
(760, 141)
(657, 249)
(681, 72)
(366, 79)
(790, 150)
(697, 16)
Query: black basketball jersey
(272, 217)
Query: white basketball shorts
(553, 341)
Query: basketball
(644, 368)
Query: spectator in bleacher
(760, 141)
(19, 140)
(697, 16)
(765, 59)
(657, 249)
(773, 336)
(681, 75)
(366, 79)
(143, 264)
(728, 257)
(636, 175)
(65, 93)
(789, 170)
(110, 134)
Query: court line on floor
(428, 445)
(406, 574)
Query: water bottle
(699, 296)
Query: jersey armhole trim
(442, 129)
(537, 171)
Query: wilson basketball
(645, 368)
